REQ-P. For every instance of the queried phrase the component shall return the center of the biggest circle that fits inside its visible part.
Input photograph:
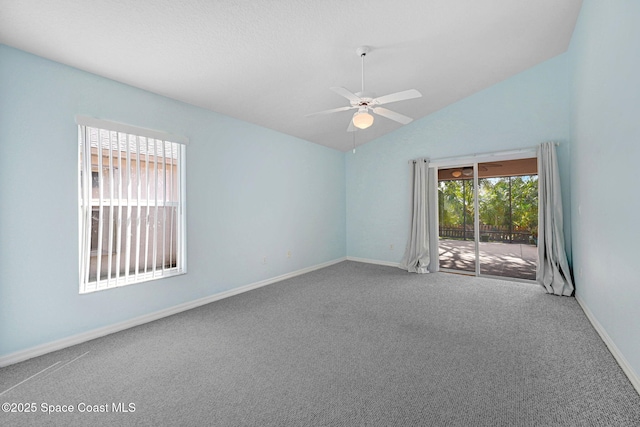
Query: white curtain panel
(553, 269)
(416, 255)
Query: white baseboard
(626, 368)
(39, 350)
(373, 261)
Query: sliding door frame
(459, 162)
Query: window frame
(87, 206)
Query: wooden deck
(496, 259)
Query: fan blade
(344, 92)
(335, 110)
(398, 96)
(392, 115)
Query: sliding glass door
(456, 215)
(488, 218)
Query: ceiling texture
(271, 62)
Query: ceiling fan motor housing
(366, 99)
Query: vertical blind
(131, 204)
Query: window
(131, 204)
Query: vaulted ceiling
(272, 62)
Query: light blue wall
(521, 112)
(251, 192)
(605, 57)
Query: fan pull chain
(354, 142)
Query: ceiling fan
(468, 171)
(365, 102)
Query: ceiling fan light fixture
(362, 119)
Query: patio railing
(489, 234)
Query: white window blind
(131, 204)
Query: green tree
(510, 201)
(505, 203)
(525, 203)
(455, 203)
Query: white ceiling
(271, 62)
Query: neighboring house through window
(131, 204)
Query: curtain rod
(489, 154)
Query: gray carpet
(349, 345)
